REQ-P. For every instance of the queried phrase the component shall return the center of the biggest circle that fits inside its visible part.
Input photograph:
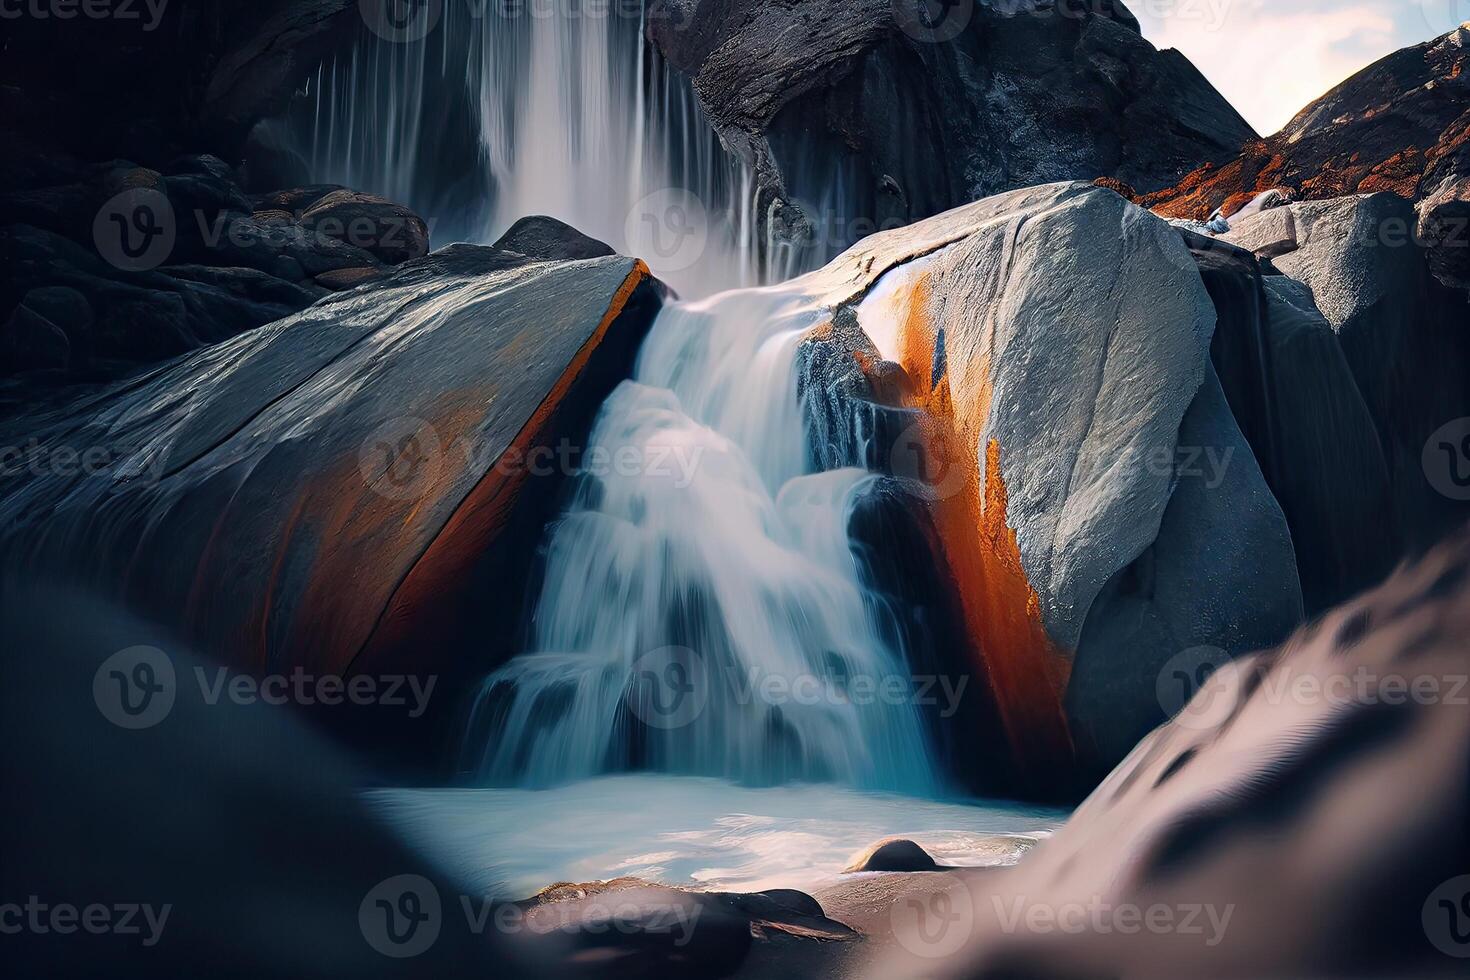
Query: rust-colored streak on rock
(429, 586)
(1002, 611)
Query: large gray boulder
(1102, 510)
(333, 490)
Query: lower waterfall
(703, 611)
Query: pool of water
(686, 831)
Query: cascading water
(495, 111)
(713, 559)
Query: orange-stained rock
(351, 479)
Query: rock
(664, 931)
(892, 854)
(380, 437)
(1093, 489)
(248, 284)
(338, 279)
(31, 342)
(389, 231)
(1021, 94)
(63, 306)
(543, 238)
(1402, 333)
(1237, 810)
(1267, 234)
(258, 245)
(1400, 126)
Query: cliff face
(1401, 125)
(913, 116)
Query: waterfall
(505, 110)
(716, 562)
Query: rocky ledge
(115, 265)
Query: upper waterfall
(496, 111)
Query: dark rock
(547, 239)
(256, 244)
(339, 279)
(1019, 96)
(31, 342)
(893, 854)
(294, 200)
(202, 165)
(197, 197)
(63, 306)
(150, 327)
(247, 284)
(277, 464)
(389, 231)
(1221, 810)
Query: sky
(1272, 57)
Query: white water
(718, 543)
(686, 831)
(573, 115)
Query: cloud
(1272, 58)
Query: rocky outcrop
(1337, 759)
(915, 118)
(1401, 125)
(347, 490)
(894, 854)
(155, 264)
(1097, 505)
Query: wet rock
(30, 342)
(389, 231)
(893, 854)
(338, 279)
(381, 437)
(544, 239)
(917, 121)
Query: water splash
(732, 553)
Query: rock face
(331, 491)
(1097, 505)
(155, 264)
(893, 854)
(1401, 125)
(915, 120)
(1329, 774)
